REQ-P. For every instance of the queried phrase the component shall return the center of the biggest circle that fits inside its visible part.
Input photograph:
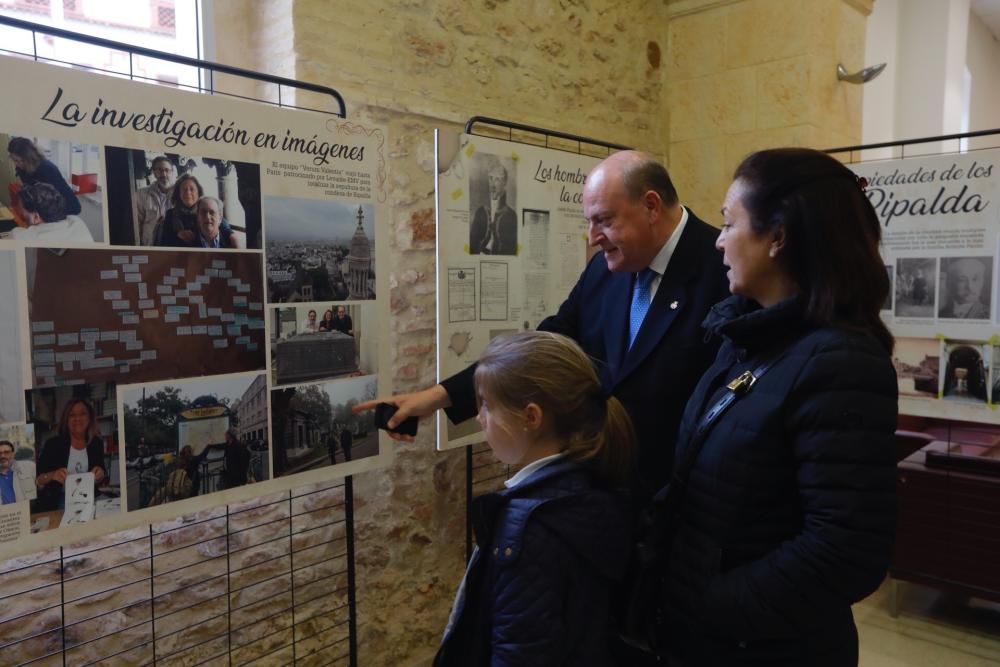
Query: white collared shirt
(527, 470)
(662, 259)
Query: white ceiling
(988, 12)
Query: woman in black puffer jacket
(788, 515)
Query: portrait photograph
(50, 191)
(319, 250)
(493, 219)
(965, 288)
(915, 286)
(162, 199)
(76, 454)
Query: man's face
(312, 315)
(163, 172)
(498, 182)
(341, 312)
(965, 280)
(622, 228)
(6, 457)
(208, 219)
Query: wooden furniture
(948, 534)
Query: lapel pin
(673, 305)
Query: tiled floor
(933, 629)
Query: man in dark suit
(653, 249)
(494, 225)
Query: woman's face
(753, 272)
(18, 161)
(79, 420)
(189, 193)
(328, 315)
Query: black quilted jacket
(537, 588)
(789, 514)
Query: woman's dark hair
(64, 420)
(832, 234)
(26, 149)
(175, 197)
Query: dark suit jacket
(655, 378)
(505, 220)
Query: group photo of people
(50, 191)
(320, 341)
(731, 394)
(179, 201)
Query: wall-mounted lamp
(863, 76)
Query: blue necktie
(642, 295)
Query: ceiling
(988, 12)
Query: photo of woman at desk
(32, 167)
(76, 449)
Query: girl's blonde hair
(552, 371)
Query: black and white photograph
(313, 425)
(11, 392)
(965, 288)
(321, 341)
(194, 437)
(50, 191)
(966, 371)
(77, 449)
(918, 366)
(915, 286)
(319, 250)
(174, 200)
(492, 205)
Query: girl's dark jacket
(537, 589)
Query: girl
(553, 544)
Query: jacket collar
(748, 325)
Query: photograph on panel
(17, 463)
(966, 285)
(50, 191)
(76, 448)
(313, 425)
(319, 250)
(110, 315)
(915, 286)
(323, 340)
(966, 371)
(173, 200)
(11, 391)
(918, 363)
(492, 205)
(194, 437)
